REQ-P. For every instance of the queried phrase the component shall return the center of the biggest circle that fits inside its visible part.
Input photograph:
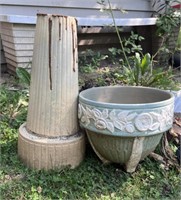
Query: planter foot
(96, 152)
(40, 152)
(135, 155)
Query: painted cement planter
(125, 124)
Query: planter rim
(126, 118)
(121, 105)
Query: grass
(91, 180)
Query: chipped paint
(50, 52)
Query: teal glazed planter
(125, 124)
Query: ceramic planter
(125, 124)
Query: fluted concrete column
(52, 125)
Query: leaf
(112, 115)
(122, 116)
(97, 113)
(138, 60)
(110, 127)
(138, 67)
(23, 75)
(22, 102)
(105, 113)
(155, 115)
(131, 116)
(154, 126)
(89, 112)
(127, 71)
(119, 125)
(145, 63)
(152, 177)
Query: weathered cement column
(51, 137)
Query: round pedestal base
(39, 152)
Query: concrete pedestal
(51, 136)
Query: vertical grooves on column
(68, 72)
(40, 77)
(76, 86)
(71, 120)
(63, 78)
(58, 70)
(53, 109)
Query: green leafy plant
(13, 104)
(24, 76)
(90, 61)
(166, 24)
(114, 55)
(131, 46)
(142, 73)
(139, 69)
(13, 112)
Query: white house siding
(17, 40)
(18, 45)
(76, 8)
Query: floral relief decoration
(127, 121)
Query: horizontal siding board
(19, 59)
(19, 27)
(89, 13)
(22, 33)
(90, 4)
(17, 40)
(16, 64)
(18, 46)
(18, 53)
